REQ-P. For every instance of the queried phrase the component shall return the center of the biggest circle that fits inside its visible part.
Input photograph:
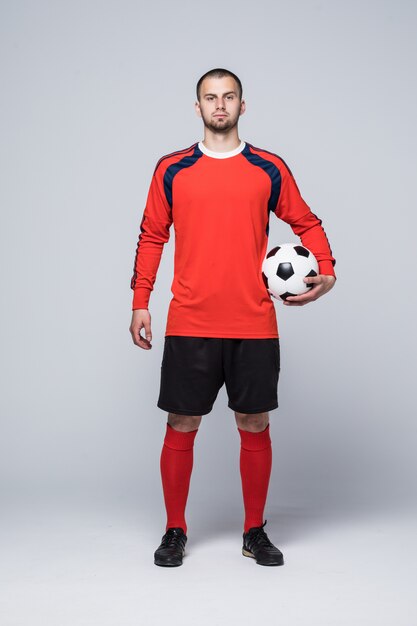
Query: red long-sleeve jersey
(220, 204)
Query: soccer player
(221, 326)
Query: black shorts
(194, 369)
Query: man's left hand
(322, 284)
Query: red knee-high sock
(176, 466)
(255, 471)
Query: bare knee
(185, 423)
(253, 422)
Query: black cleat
(257, 545)
(171, 550)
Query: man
(221, 326)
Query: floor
(93, 565)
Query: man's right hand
(141, 318)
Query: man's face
(219, 104)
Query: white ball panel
(296, 285)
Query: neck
(218, 142)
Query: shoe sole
(252, 556)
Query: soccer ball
(284, 268)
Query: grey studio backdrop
(92, 95)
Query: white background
(92, 94)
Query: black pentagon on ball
(285, 271)
(285, 295)
(273, 251)
(265, 279)
(311, 273)
(302, 251)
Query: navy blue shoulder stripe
(273, 154)
(174, 168)
(274, 174)
(171, 154)
(271, 197)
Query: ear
(242, 107)
(197, 108)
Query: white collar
(221, 155)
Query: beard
(219, 125)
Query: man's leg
(191, 376)
(176, 465)
(255, 464)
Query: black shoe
(257, 545)
(171, 550)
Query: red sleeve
(292, 208)
(154, 233)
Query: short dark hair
(219, 72)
